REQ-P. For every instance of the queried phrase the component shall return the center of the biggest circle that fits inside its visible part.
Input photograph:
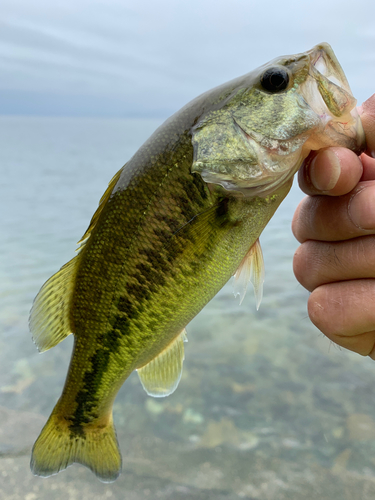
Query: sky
(147, 58)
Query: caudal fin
(57, 447)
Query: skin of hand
(335, 225)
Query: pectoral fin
(250, 269)
(160, 377)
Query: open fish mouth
(267, 124)
(328, 93)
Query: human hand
(335, 225)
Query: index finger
(338, 218)
(333, 171)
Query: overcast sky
(150, 57)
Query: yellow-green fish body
(176, 222)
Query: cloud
(124, 58)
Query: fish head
(260, 127)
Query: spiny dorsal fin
(250, 269)
(50, 315)
(102, 202)
(160, 377)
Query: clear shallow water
(266, 408)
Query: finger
(367, 113)
(368, 168)
(317, 263)
(328, 218)
(333, 171)
(344, 313)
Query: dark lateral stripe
(149, 268)
(86, 399)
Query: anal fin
(250, 269)
(160, 377)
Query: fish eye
(275, 79)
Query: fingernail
(362, 208)
(325, 179)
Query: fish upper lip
(324, 61)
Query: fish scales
(140, 306)
(178, 220)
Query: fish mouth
(328, 93)
(255, 155)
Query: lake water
(267, 407)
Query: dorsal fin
(250, 269)
(160, 377)
(102, 202)
(50, 315)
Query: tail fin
(57, 447)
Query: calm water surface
(266, 409)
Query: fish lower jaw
(262, 189)
(346, 132)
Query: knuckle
(322, 314)
(303, 219)
(314, 263)
(296, 222)
(365, 253)
(301, 265)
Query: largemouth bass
(176, 223)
